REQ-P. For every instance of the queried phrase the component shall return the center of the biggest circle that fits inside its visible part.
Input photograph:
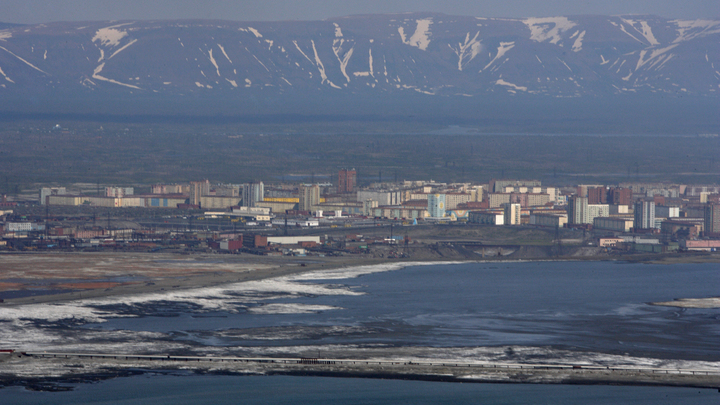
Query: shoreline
(75, 372)
(272, 267)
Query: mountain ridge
(288, 66)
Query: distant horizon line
(425, 13)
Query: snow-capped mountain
(361, 58)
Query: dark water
(178, 390)
(589, 306)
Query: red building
(620, 196)
(346, 180)
(598, 195)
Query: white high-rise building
(644, 214)
(436, 205)
(578, 212)
(309, 197)
(252, 193)
(512, 213)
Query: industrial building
(548, 220)
(613, 224)
(486, 218)
(48, 191)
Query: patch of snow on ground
(648, 34)
(321, 67)
(212, 60)
(248, 83)
(337, 50)
(370, 62)
(233, 82)
(4, 35)
(303, 53)
(263, 65)
(338, 31)
(622, 28)
(255, 32)
(109, 36)
(199, 84)
(290, 309)
(502, 49)
(225, 53)
(421, 38)
(691, 29)
(502, 82)
(123, 48)
(24, 61)
(577, 45)
(4, 75)
(566, 65)
(467, 50)
(654, 54)
(552, 28)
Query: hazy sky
(40, 11)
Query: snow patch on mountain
(5, 35)
(96, 75)
(577, 46)
(343, 58)
(501, 82)
(468, 50)
(655, 54)
(622, 28)
(692, 29)
(644, 30)
(24, 61)
(123, 48)
(225, 53)
(552, 28)
(110, 36)
(338, 31)
(5, 76)
(421, 38)
(255, 32)
(321, 67)
(502, 49)
(648, 34)
(212, 60)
